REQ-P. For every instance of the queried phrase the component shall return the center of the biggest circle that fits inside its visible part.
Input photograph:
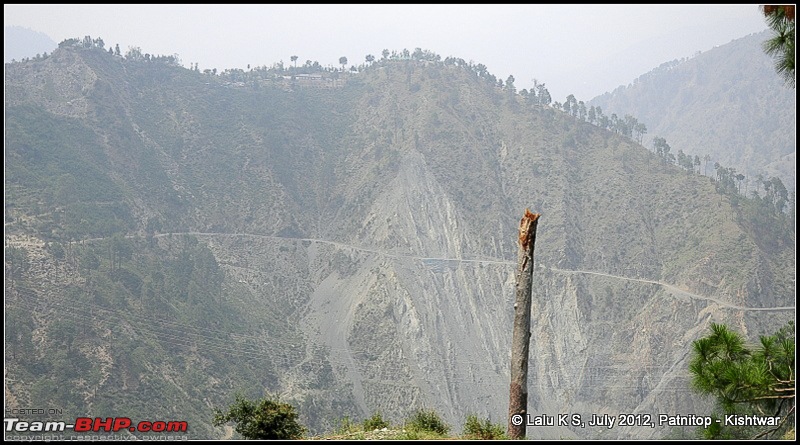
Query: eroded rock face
(410, 320)
(61, 84)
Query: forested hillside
(727, 103)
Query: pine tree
(747, 380)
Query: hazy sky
(584, 50)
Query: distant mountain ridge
(348, 243)
(727, 102)
(20, 42)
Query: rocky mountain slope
(348, 243)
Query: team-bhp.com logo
(96, 425)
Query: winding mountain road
(679, 291)
(670, 287)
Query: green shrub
(409, 435)
(427, 420)
(346, 426)
(484, 430)
(262, 419)
(375, 422)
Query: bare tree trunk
(520, 342)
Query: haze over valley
(346, 237)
